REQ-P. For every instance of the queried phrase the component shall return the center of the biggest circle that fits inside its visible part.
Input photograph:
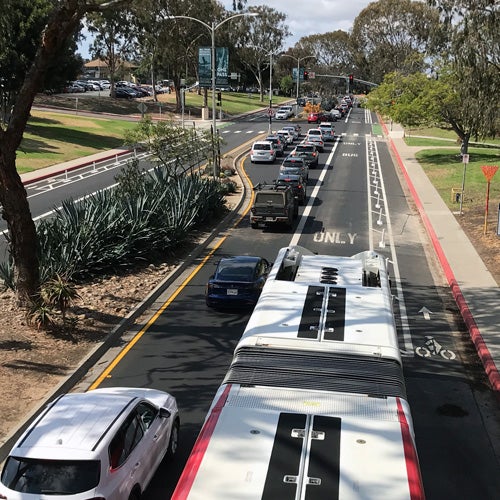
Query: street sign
(465, 158)
(270, 111)
(312, 75)
(142, 107)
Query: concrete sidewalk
(475, 290)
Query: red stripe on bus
(412, 467)
(193, 463)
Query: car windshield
(50, 477)
(235, 271)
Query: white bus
(314, 404)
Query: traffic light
(219, 98)
(351, 79)
(306, 75)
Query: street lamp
(212, 28)
(298, 59)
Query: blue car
(237, 282)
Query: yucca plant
(41, 315)
(59, 292)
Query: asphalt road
(356, 202)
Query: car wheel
(173, 443)
(254, 225)
(134, 496)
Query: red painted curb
(481, 347)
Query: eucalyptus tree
(472, 52)
(260, 39)
(51, 23)
(333, 56)
(393, 35)
(114, 40)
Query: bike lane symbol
(433, 348)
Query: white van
(263, 151)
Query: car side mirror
(164, 413)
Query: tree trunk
(23, 238)
(13, 197)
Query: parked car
(125, 93)
(296, 182)
(141, 91)
(262, 151)
(295, 165)
(309, 152)
(74, 88)
(105, 443)
(301, 101)
(237, 282)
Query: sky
(304, 17)
(309, 17)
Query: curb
(474, 332)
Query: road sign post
(465, 159)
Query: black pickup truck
(273, 204)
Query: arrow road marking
(426, 312)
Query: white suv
(102, 444)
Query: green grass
(427, 142)
(233, 103)
(445, 170)
(52, 138)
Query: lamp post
(212, 28)
(298, 59)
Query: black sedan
(237, 282)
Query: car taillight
(314, 154)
